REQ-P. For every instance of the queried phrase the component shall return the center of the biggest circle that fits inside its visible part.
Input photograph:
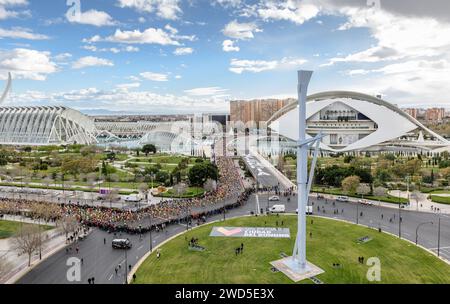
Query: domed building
(353, 121)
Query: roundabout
(346, 252)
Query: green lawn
(441, 199)
(9, 228)
(331, 242)
(190, 192)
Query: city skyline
(176, 57)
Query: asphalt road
(100, 260)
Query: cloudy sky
(175, 56)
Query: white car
(274, 198)
(342, 198)
(132, 199)
(364, 202)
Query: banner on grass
(255, 232)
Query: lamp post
(150, 230)
(439, 236)
(417, 229)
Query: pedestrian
(134, 277)
(382, 216)
(77, 249)
(310, 234)
(104, 241)
(116, 270)
(82, 260)
(89, 281)
(242, 246)
(93, 280)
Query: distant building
(257, 110)
(435, 114)
(413, 112)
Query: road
(100, 260)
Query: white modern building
(45, 125)
(357, 122)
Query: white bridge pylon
(296, 267)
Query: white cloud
(155, 76)
(228, 46)
(178, 77)
(93, 48)
(91, 61)
(228, 3)
(183, 51)
(149, 36)
(208, 91)
(128, 86)
(6, 13)
(27, 64)
(166, 9)
(242, 31)
(294, 11)
(91, 17)
(62, 58)
(124, 100)
(256, 66)
(21, 33)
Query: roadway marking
(110, 277)
(140, 247)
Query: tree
(380, 191)
(143, 188)
(27, 241)
(199, 173)
(363, 189)
(180, 189)
(68, 224)
(149, 148)
(350, 184)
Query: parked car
(121, 244)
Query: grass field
(9, 228)
(441, 199)
(331, 242)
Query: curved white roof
(42, 125)
(392, 122)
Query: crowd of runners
(229, 194)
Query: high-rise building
(435, 114)
(257, 110)
(413, 112)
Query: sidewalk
(55, 240)
(422, 204)
(426, 206)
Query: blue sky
(169, 56)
